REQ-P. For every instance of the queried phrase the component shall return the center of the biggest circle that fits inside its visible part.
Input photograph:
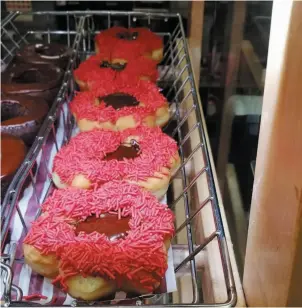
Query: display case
(203, 259)
(220, 245)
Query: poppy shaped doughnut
(99, 69)
(113, 238)
(143, 156)
(133, 41)
(118, 106)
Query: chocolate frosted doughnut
(37, 80)
(53, 53)
(145, 156)
(22, 116)
(94, 242)
(13, 151)
(101, 68)
(133, 42)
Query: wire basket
(201, 259)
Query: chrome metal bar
(7, 283)
(186, 203)
(216, 212)
(188, 220)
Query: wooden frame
(238, 18)
(273, 266)
(195, 36)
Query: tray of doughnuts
(117, 204)
(32, 75)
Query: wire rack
(201, 259)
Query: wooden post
(273, 266)
(238, 19)
(195, 36)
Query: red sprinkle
(85, 152)
(34, 296)
(90, 71)
(146, 41)
(139, 256)
(83, 106)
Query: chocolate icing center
(114, 66)
(123, 151)
(29, 76)
(12, 109)
(107, 224)
(127, 35)
(119, 100)
(12, 154)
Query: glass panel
(234, 57)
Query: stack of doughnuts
(29, 86)
(103, 229)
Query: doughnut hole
(45, 265)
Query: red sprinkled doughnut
(100, 68)
(139, 256)
(85, 154)
(134, 42)
(83, 106)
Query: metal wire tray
(201, 259)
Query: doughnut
(118, 106)
(133, 42)
(101, 69)
(13, 151)
(144, 156)
(22, 116)
(36, 80)
(95, 242)
(54, 53)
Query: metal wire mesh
(193, 244)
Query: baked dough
(118, 106)
(96, 242)
(84, 162)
